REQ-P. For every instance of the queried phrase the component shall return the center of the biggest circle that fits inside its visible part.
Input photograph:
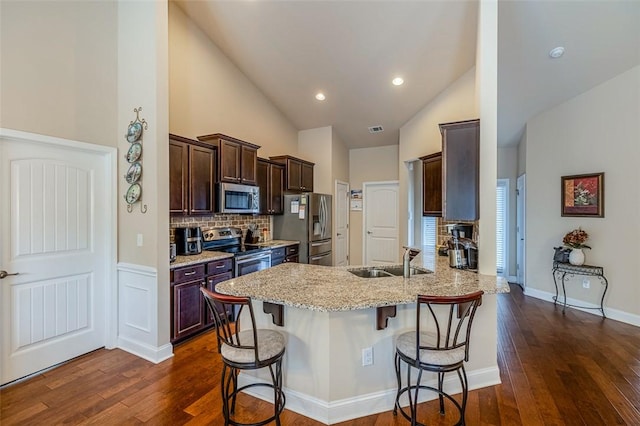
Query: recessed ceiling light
(556, 52)
(397, 81)
(320, 96)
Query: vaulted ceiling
(351, 50)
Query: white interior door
(342, 224)
(54, 235)
(381, 223)
(520, 228)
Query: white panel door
(521, 229)
(342, 224)
(381, 223)
(54, 234)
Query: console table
(561, 270)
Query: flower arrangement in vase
(576, 240)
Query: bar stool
(441, 349)
(249, 349)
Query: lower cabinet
(286, 254)
(189, 313)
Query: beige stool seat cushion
(406, 344)
(270, 344)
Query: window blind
(429, 231)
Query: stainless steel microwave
(237, 198)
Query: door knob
(369, 232)
(338, 234)
(4, 274)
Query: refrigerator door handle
(324, 217)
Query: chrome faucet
(407, 257)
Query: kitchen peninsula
(330, 315)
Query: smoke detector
(376, 129)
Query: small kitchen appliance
(188, 240)
(172, 252)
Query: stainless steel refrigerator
(307, 218)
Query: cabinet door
(263, 175)
(188, 310)
(211, 285)
(178, 172)
(248, 156)
(432, 185)
(230, 154)
(460, 156)
(201, 179)
(306, 177)
(294, 175)
(276, 175)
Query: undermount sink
(384, 271)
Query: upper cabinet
(461, 170)
(237, 159)
(298, 173)
(192, 168)
(270, 181)
(432, 185)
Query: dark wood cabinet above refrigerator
(432, 185)
(298, 173)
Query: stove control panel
(213, 234)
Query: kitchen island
(330, 315)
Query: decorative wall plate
(134, 172)
(134, 153)
(134, 131)
(133, 193)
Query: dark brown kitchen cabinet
(270, 180)
(432, 185)
(461, 170)
(187, 314)
(191, 177)
(298, 173)
(288, 254)
(237, 159)
(217, 271)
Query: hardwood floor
(573, 369)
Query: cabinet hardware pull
(186, 274)
(219, 266)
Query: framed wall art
(583, 195)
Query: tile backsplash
(219, 220)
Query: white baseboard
(331, 412)
(150, 353)
(614, 314)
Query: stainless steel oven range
(229, 240)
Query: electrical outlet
(367, 356)
(586, 283)
(139, 240)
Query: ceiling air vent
(376, 129)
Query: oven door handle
(251, 258)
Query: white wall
(368, 165)
(508, 169)
(315, 145)
(209, 94)
(597, 131)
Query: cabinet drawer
(277, 253)
(291, 250)
(188, 273)
(219, 266)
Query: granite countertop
(194, 259)
(276, 243)
(325, 288)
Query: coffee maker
(188, 240)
